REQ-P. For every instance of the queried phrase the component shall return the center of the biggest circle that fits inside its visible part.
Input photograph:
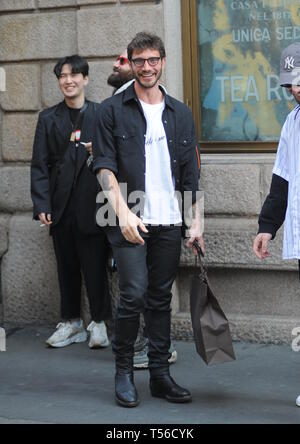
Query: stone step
(228, 243)
(251, 328)
(262, 305)
(246, 292)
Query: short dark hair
(145, 40)
(77, 63)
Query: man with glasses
(120, 79)
(146, 140)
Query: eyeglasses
(122, 60)
(152, 61)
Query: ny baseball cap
(290, 65)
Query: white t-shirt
(161, 204)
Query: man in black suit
(64, 193)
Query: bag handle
(198, 248)
(199, 255)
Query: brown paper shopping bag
(210, 325)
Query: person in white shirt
(146, 140)
(283, 202)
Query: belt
(179, 224)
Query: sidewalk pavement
(76, 385)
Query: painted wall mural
(240, 43)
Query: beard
(151, 85)
(117, 79)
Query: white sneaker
(298, 401)
(67, 333)
(98, 335)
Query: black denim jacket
(119, 142)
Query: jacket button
(170, 141)
(174, 160)
(165, 121)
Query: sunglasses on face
(122, 60)
(152, 61)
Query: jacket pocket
(184, 149)
(123, 135)
(125, 141)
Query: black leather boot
(164, 386)
(123, 347)
(126, 393)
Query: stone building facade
(262, 300)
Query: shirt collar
(130, 94)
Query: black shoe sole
(127, 404)
(181, 400)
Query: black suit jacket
(53, 169)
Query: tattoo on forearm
(105, 180)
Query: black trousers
(76, 252)
(146, 275)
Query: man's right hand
(129, 227)
(45, 219)
(260, 245)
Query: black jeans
(146, 275)
(76, 252)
